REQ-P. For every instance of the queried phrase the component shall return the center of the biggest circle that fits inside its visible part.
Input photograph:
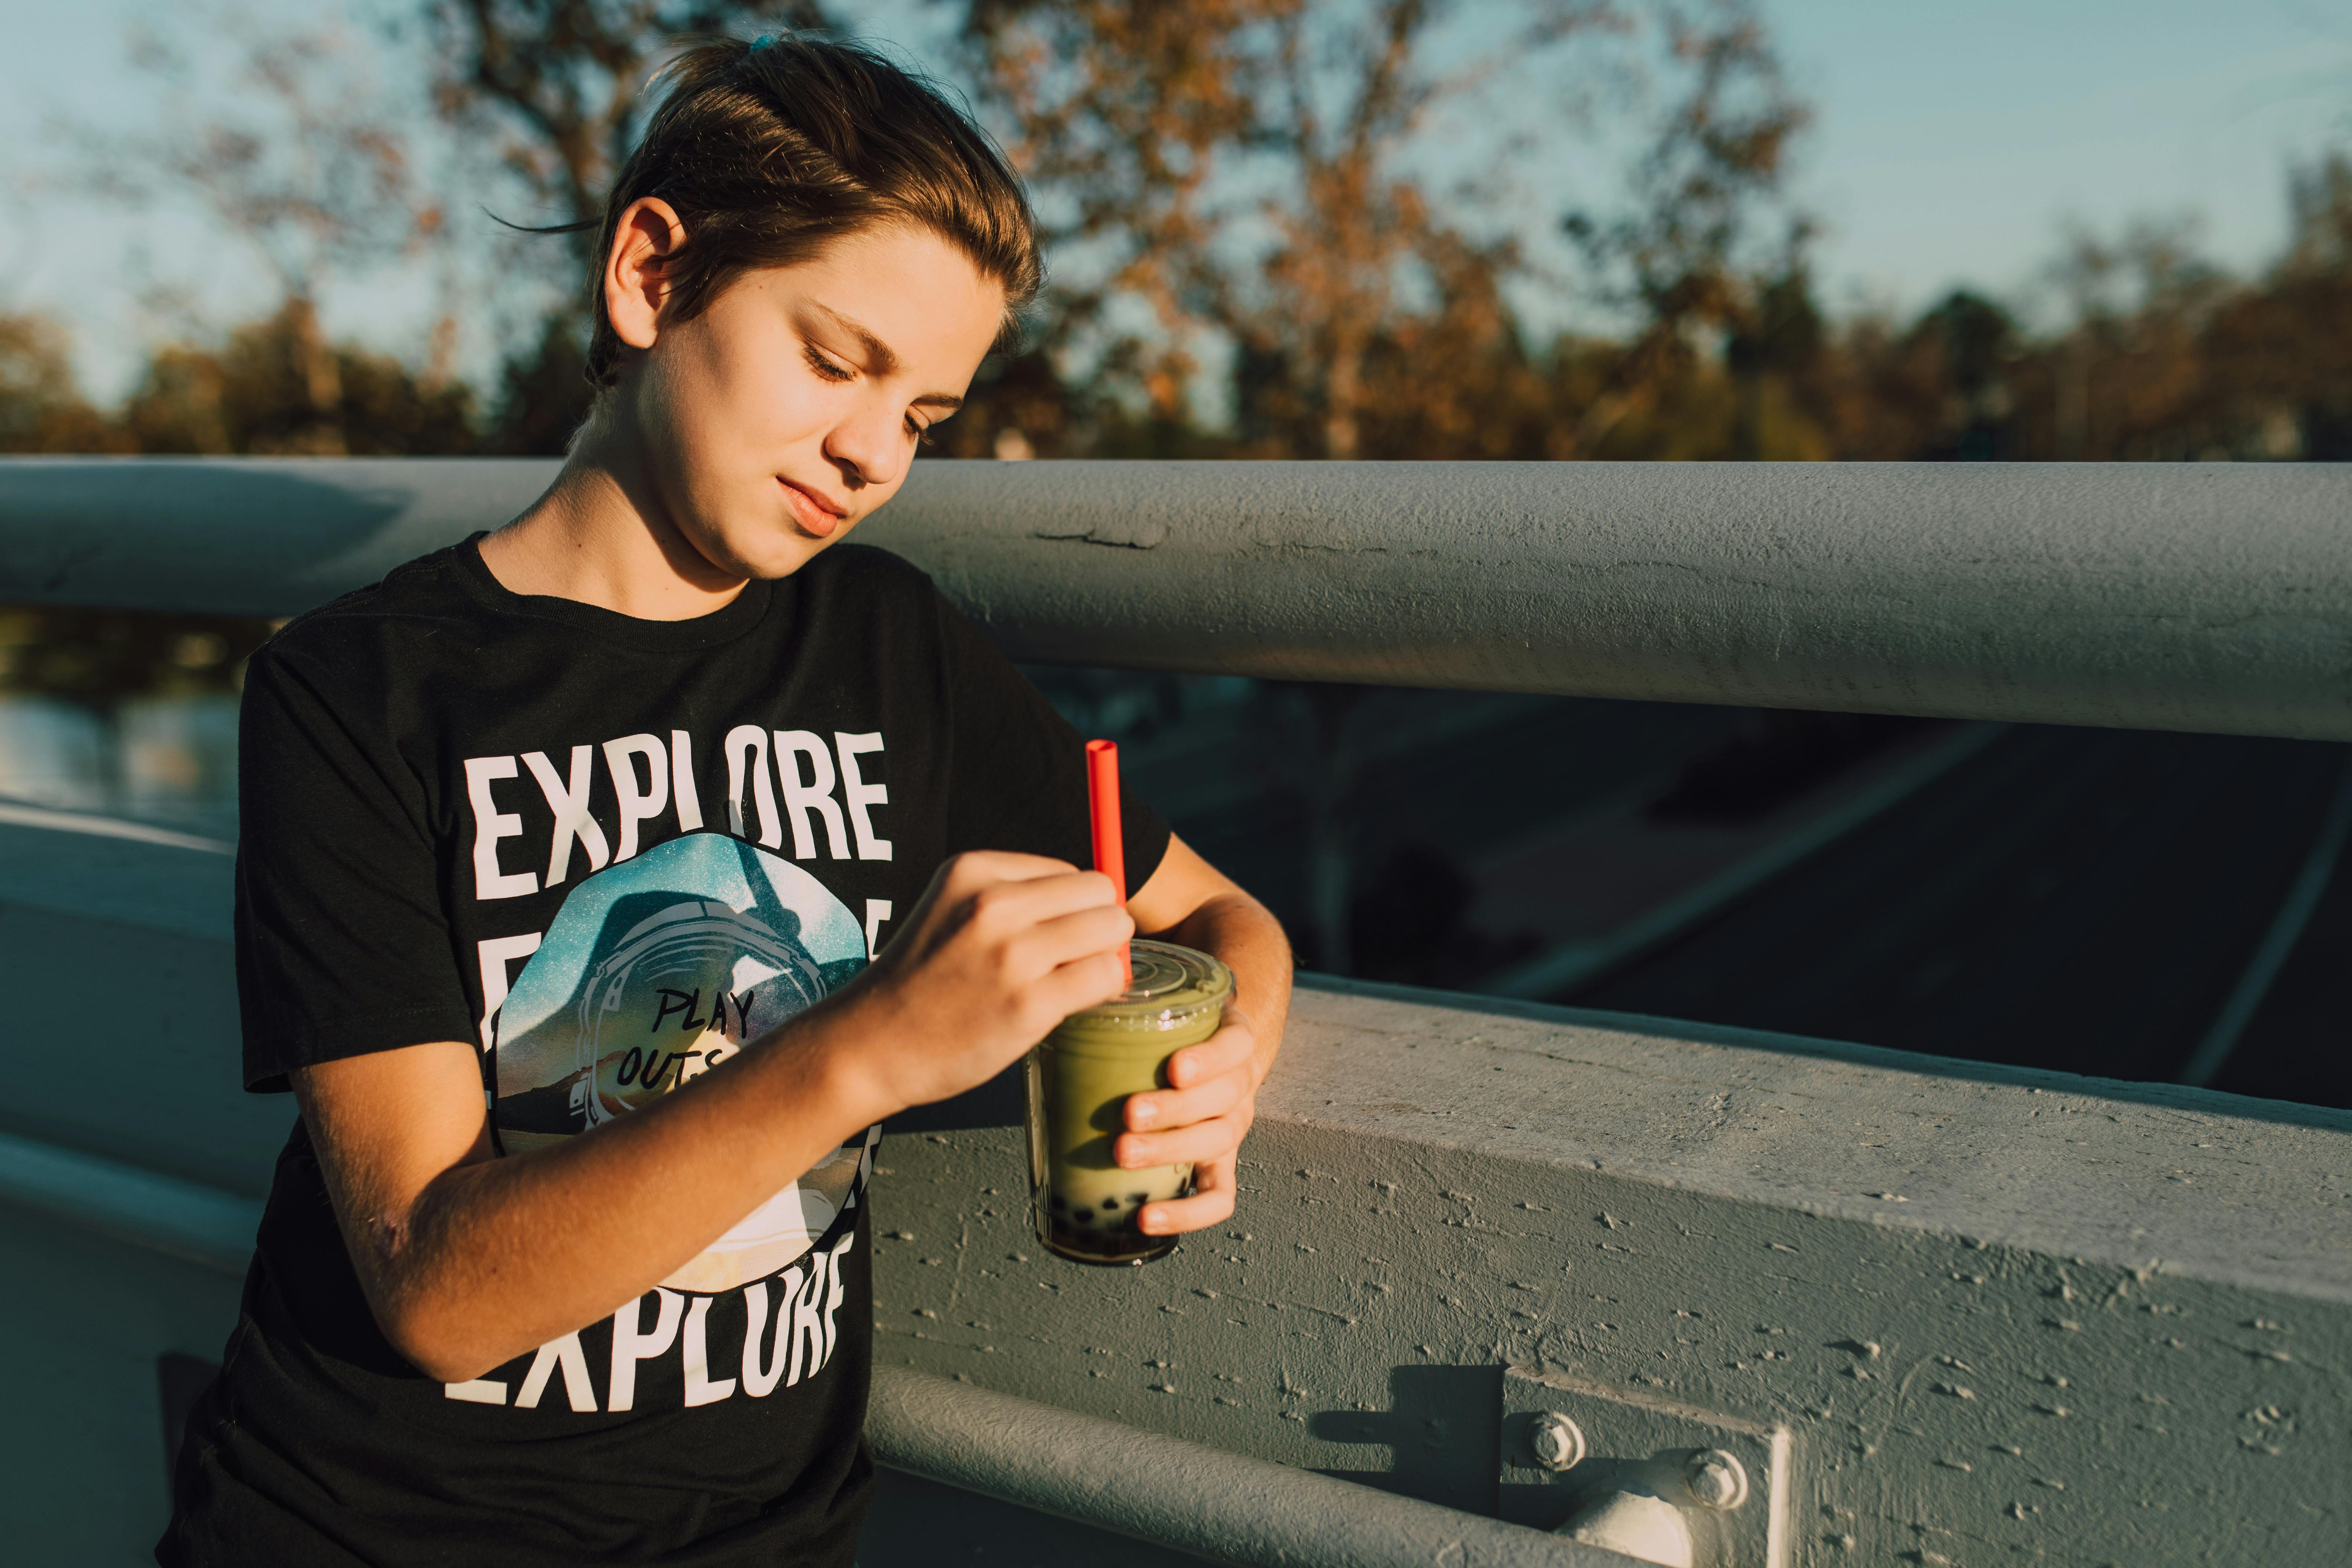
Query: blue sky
(1955, 143)
(1956, 139)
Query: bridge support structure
(1936, 1311)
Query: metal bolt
(1558, 1442)
(1716, 1481)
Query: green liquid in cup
(1079, 1078)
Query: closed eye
(825, 368)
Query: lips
(815, 515)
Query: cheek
(734, 403)
(746, 402)
(707, 459)
(760, 395)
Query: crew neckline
(724, 624)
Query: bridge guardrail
(2167, 597)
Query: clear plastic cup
(1085, 1206)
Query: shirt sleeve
(343, 944)
(1019, 778)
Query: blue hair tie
(762, 41)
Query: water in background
(171, 761)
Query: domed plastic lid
(1172, 985)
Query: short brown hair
(770, 152)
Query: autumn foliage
(1276, 232)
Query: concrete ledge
(2153, 1177)
(1999, 1313)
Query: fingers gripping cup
(1085, 1207)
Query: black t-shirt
(610, 851)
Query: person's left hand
(1201, 1118)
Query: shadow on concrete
(1002, 1101)
(1441, 1428)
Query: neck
(601, 535)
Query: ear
(635, 279)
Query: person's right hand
(1001, 948)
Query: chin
(748, 546)
(777, 551)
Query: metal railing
(2212, 597)
(1992, 1310)
(1138, 1484)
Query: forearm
(1238, 929)
(499, 1256)
(469, 1261)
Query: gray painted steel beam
(1226, 1507)
(2211, 596)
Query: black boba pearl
(1084, 1217)
(1109, 1205)
(1137, 1199)
(1058, 1204)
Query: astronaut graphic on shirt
(656, 971)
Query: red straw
(1102, 800)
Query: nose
(869, 448)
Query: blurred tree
(1259, 175)
(2280, 356)
(41, 409)
(314, 170)
(1117, 112)
(261, 393)
(1975, 342)
(1247, 169)
(1345, 105)
(555, 89)
(1017, 408)
(543, 392)
(1453, 380)
(559, 84)
(1681, 258)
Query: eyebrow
(880, 360)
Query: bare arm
(1204, 1117)
(468, 1261)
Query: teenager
(608, 879)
